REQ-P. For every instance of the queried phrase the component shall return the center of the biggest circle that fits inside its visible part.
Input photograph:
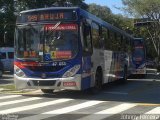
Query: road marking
(10, 96)
(63, 110)
(29, 107)
(19, 101)
(120, 93)
(109, 112)
(154, 111)
(153, 114)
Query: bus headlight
(19, 72)
(71, 72)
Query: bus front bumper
(70, 83)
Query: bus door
(86, 55)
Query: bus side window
(87, 47)
(125, 44)
(113, 38)
(119, 42)
(132, 45)
(95, 35)
(105, 36)
(128, 45)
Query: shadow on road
(134, 91)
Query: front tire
(47, 91)
(98, 82)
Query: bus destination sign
(44, 16)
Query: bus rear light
(69, 84)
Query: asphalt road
(137, 99)
(7, 78)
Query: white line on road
(29, 107)
(9, 96)
(154, 111)
(62, 110)
(153, 114)
(19, 101)
(109, 112)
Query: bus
(68, 48)
(138, 57)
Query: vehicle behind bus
(7, 58)
(138, 57)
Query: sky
(109, 3)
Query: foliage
(7, 24)
(9, 9)
(105, 13)
(147, 9)
(32, 4)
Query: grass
(11, 89)
(8, 87)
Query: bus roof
(50, 8)
(104, 23)
(87, 15)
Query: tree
(7, 19)
(147, 9)
(115, 19)
(9, 9)
(32, 4)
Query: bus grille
(47, 75)
(45, 68)
(44, 83)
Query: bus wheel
(48, 91)
(98, 82)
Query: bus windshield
(139, 53)
(47, 42)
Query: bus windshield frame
(38, 42)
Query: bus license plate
(69, 84)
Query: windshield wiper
(54, 27)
